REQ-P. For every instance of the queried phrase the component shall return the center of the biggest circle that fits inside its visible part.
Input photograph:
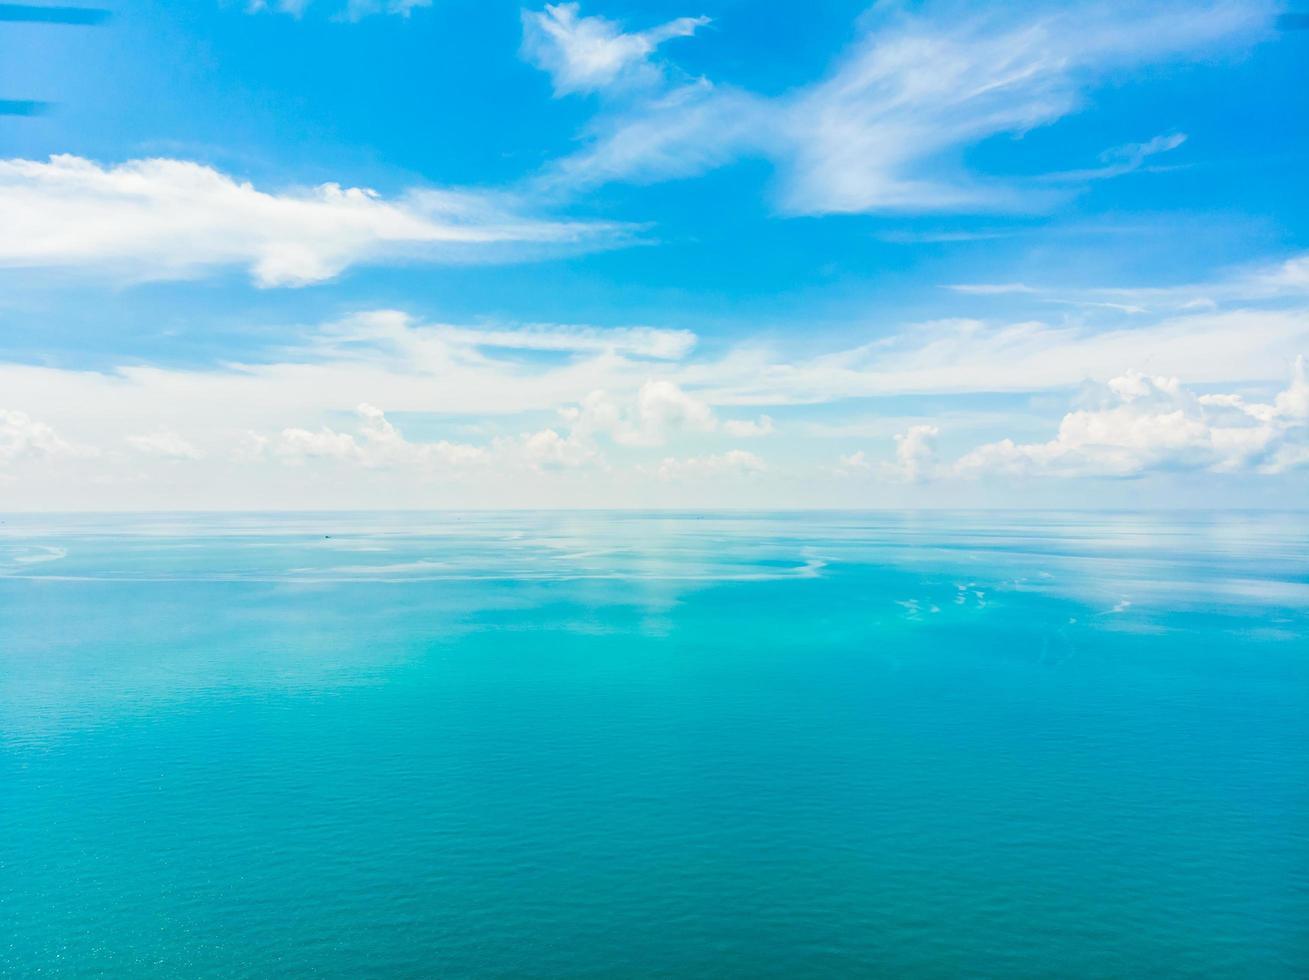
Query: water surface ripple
(654, 745)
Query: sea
(655, 745)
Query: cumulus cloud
(656, 410)
(165, 219)
(586, 54)
(915, 458)
(1154, 423)
(548, 449)
(23, 437)
(662, 406)
(885, 130)
(915, 453)
(659, 409)
(378, 444)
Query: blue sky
(371, 254)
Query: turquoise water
(565, 745)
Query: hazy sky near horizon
(693, 253)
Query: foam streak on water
(652, 745)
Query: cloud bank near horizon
(645, 406)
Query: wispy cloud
(398, 334)
(682, 132)
(1257, 283)
(1122, 159)
(990, 288)
(885, 130)
(165, 219)
(358, 9)
(980, 356)
(587, 54)
(352, 10)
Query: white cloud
(857, 460)
(611, 386)
(659, 409)
(990, 288)
(164, 219)
(586, 54)
(1141, 424)
(504, 426)
(1123, 159)
(547, 448)
(915, 453)
(396, 336)
(749, 428)
(379, 444)
(295, 8)
(23, 437)
(353, 10)
(358, 9)
(974, 355)
(693, 128)
(646, 419)
(662, 406)
(733, 463)
(1292, 403)
(637, 341)
(1290, 276)
(1153, 423)
(885, 129)
(1261, 283)
(164, 443)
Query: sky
(303, 254)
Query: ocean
(608, 745)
